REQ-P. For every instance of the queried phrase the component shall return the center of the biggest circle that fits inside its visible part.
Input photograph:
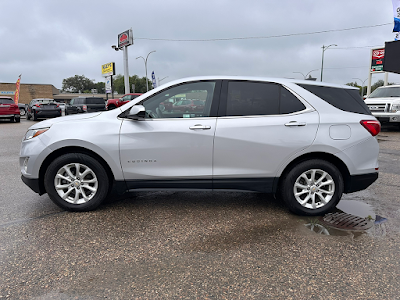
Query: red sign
(16, 96)
(377, 60)
(378, 54)
(125, 38)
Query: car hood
(49, 122)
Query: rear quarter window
(341, 98)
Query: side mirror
(137, 112)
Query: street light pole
(362, 86)
(145, 66)
(323, 51)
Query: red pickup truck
(114, 103)
(9, 110)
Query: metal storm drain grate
(345, 221)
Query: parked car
(85, 104)
(22, 109)
(42, 108)
(307, 142)
(8, 109)
(384, 103)
(114, 103)
(188, 105)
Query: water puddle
(351, 218)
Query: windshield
(386, 92)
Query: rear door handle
(295, 124)
(199, 126)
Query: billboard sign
(108, 69)
(125, 38)
(377, 60)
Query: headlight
(34, 133)
(395, 107)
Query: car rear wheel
(34, 116)
(17, 119)
(12, 120)
(110, 107)
(312, 187)
(76, 182)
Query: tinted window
(6, 101)
(157, 107)
(252, 98)
(385, 92)
(95, 101)
(344, 99)
(289, 102)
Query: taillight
(373, 127)
(37, 105)
(84, 107)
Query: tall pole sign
(376, 65)
(107, 71)
(125, 39)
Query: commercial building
(28, 92)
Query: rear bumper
(360, 182)
(48, 114)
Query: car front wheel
(76, 182)
(312, 187)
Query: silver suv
(307, 142)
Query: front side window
(189, 100)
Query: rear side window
(247, 98)
(95, 101)
(6, 101)
(252, 98)
(343, 99)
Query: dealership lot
(167, 245)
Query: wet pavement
(196, 245)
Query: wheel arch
(337, 162)
(72, 149)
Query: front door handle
(199, 126)
(295, 124)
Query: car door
(71, 107)
(262, 126)
(171, 149)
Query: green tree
(140, 84)
(78, 83)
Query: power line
(261, 37)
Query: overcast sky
(49, 40)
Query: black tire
(34, 116)
(17, 119)
(12, 120)
(22, 112)
(28, 116)
(74, 187)
(312, 188)
(110, 107)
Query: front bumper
(33, 183)
(360, 182)
(387, 117)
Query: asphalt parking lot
(196, 245)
